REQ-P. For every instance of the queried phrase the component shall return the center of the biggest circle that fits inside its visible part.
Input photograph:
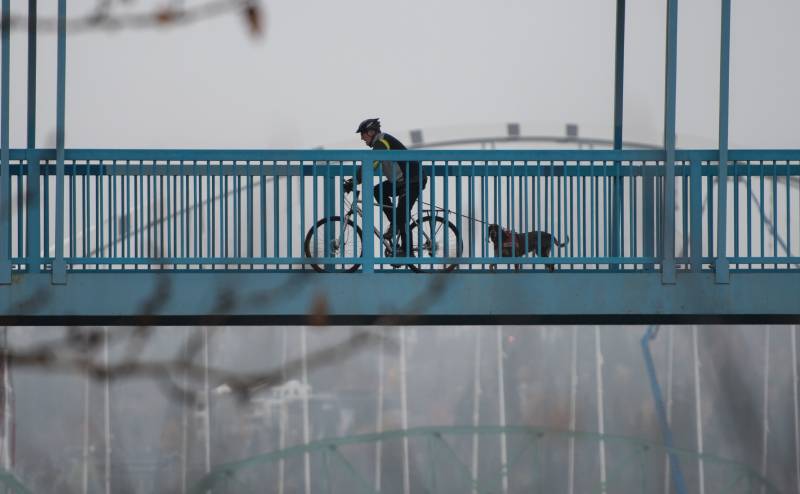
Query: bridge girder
(398, 298)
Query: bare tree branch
(105, 16)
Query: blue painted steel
(122, 208)
(721, 265)
(250, 297)
(788, 214)
(5, 170)
(368, 219)
(742, 161)
(619, 73)
(738, 157)
(696, 215)
(329, 185)
(33, 212)
(668, 249)
(666, 432)
(59, 273)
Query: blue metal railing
(135, 210)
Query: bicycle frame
(353, 209)
(426, 240)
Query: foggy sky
(323, 66)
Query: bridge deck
(398, 298)
(99, 234)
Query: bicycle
(338, 236)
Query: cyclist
(402, 180)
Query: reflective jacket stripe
(376, 163)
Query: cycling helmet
(369, 124)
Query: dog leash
(441, 209)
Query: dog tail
(560, 244)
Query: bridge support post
(59, 264)
(5, 172)
(33, 210)
(668, 252)
(721, 267)
(619, 74)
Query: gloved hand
(347, 186)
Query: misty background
(453, 69)
(469, 375)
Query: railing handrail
(106, 214)
(411, 154)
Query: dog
(505, 241)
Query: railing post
(368, 226)
(668, 251)
(648, 214)
(34, 214)
(5, 171)
(59, 265)
(695, 215)
(616, 215)
(721, 267)
(328, 202)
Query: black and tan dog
(513, 244)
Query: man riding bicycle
(402, 181)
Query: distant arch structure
(441, 456)
(515, 136)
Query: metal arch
(637, 447)
(674, 465)
(531, 138)
(12, 483)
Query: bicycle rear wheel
(333, 237)
(439, 240)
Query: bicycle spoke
(333, 238)
(433, 232)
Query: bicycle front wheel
(435, 239)
(331, 238)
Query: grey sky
(324, 65)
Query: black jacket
(385, 142)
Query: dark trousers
(399, 216)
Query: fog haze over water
(445, 368)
